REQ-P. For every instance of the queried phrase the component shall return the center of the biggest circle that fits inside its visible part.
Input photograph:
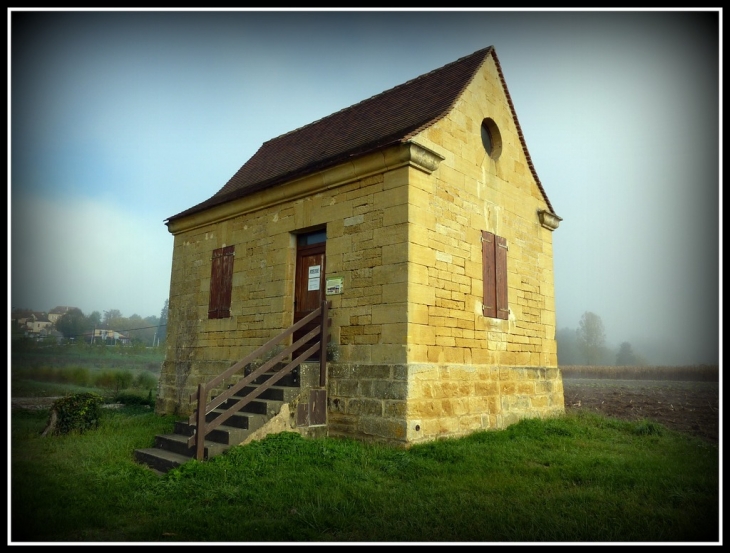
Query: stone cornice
(548, 220)
(422, 158)
(409, 154)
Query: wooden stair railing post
(323, 346)
(201, 396)
(200, 423)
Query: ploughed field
(692, 407)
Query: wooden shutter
(494, 276)
(221, 283)
(500, 262)
(489, 307)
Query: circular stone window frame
(491, 138)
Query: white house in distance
(58, 312)
(105, 334)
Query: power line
(112, 330)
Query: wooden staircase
(172, 450)
(232, 416)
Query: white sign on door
(314, 278)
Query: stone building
(417, 213)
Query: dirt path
(33, 403)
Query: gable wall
(414, 358)
(466, 371)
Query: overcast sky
(121, 119)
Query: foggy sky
(121, 119)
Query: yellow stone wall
(414, 358)
(476, 372)
(364, 232)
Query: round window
(491, 139)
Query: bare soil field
(684, 406)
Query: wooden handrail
(201, 396)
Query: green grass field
(580, 478)
(61, 370)
(573, 479)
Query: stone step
(160, 460)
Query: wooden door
(309, 283)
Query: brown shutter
(215, 271)
(500, 258)
(224, 305)
(221, 283)
(489, 307)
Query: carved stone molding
(548, 220)
(424, 159)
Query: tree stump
(51, 423)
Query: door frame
(301, 280)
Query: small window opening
(491, 138)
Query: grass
(582, 478)
(25, 356)
(61, 370)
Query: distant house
(37, 324)
(58, 312)
(106, 335)
(21, 316)
(418, 214)
(30, 323)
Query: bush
(145, 381)
(79, 376)
(114, 380)
(123, 380)
(75, 412)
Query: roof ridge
(392, 116)
(388, 91)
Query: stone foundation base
(404, 404)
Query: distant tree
(162, 327)
(134, 322)
(110, 315)
(568, 353)
(591, 338)
(130, 326)
(152, 320)
(73, 324)
(627, 357)
(95, 318)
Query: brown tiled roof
(391, 117)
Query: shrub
(145, 381)
(75, 412)
(123, 380)
(79, 376)
(114, 380)
(104, 379)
